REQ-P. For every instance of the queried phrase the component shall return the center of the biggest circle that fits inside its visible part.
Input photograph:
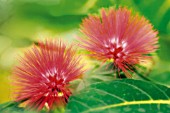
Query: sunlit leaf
(121, 96)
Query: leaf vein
(113, 95)
(81, 103)
(144, 92)
(129, 103)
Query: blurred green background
(23, 22)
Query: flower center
(55, 87)
(114, 51)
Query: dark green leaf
(163, 26)
(157, 11)
(164, 48)
(121, 96)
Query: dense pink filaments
(44, 73)
(120, 36)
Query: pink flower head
(120, 36)
(44, 73)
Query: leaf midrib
(128, 103)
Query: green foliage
(150, 8)
(162, 78)
(22, 21)
(97, 74)
(163, 52)
(12, 107)
(121, 96)
(118, 96)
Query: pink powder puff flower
(44, 73)
(120, 36)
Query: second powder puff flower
(120, 36)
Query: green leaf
(5, 11)
(12, 107)
(57, 15)
(100, 4)
(97, 74)
(157, 11)
(162, 78)
(121, 96)
(163, 25)
(148, 7)
(21, 42)
(53, 7)
(61, 23)
(163, 52)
